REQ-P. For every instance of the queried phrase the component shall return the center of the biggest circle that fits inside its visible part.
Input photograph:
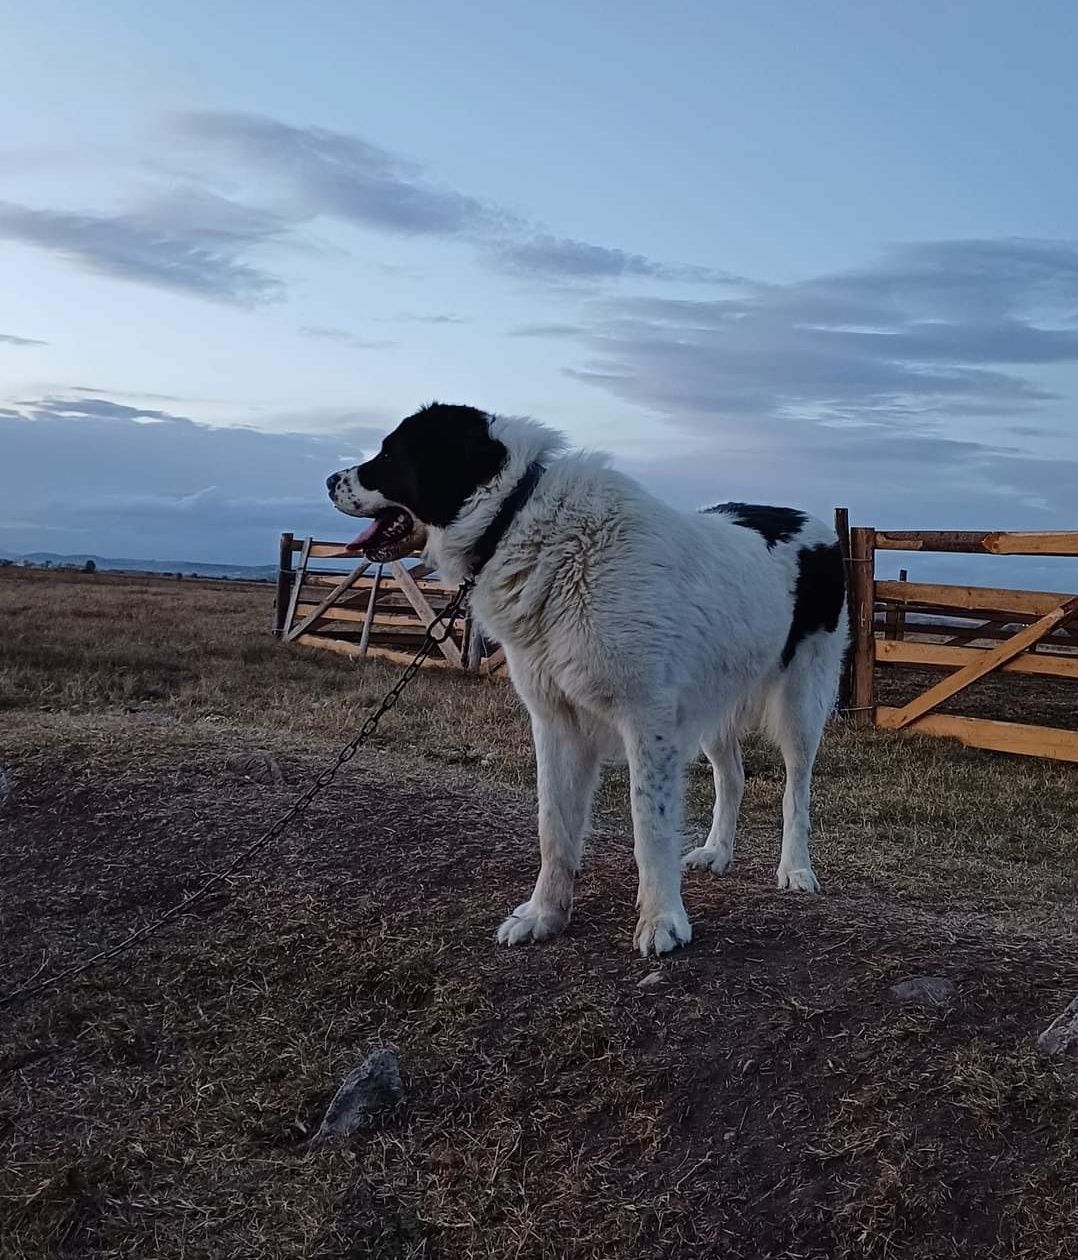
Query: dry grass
(767, 1100)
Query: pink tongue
(359, 542)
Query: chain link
(437, 632)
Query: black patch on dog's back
(818, 594)
(434, 461)
(773, 524)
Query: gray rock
(1061, 1035)
(371, 1088)
(256, 766)
(651, 981)
(924, 991)
(5, 789)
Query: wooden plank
(474, 641)
(985, 630)
(998, 543)
(331, 551)
(321, 550)
(1010, 737)
(297, 583)
(344, 647)
(895, 614)
(984, 664)
(365, 637)
(341, 646)
(905, 652)
(494, 662)
(359, 615)
(1036, 544)
(845, 685)
(284, 584)
(418, 601)
(985, 600)
(427, 586)
(316, 612)
(863, 650)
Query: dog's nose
(331, 481)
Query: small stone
(5, 789)
(924, 991)
(651, 981)
(371, 1088)
(1061, 1035)
(729, 1135)
(256, 766)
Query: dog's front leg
(656, 774)
(567, 765)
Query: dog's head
(428, 468)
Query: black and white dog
(630, 629)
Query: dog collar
(488, 541)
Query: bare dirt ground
(767, 1098)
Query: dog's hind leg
(567, 764)
(717, 852)
(796, 714)
(656, 776)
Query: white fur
(631, 629)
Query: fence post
(863, 682)
(845, 685)
(284, 585)
(903, 576)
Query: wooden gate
(370, 609)
(971, 632)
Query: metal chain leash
(438, 631)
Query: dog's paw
(717, 861)
(660, 933)
(531, 923)
(803, 879)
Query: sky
(813, 254)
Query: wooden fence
(971, 632)
(369, 609)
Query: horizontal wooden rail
(998, 543)
(387, 584)
(344, 648)
(903, 652)
(337, 613)
(1010, 737)
(986, 600)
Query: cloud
(331, 173)
(343, 337)
(559, 257)
(192, 245)
(547, 330)
(408, 317)
(124, 480)
(9, 339)
(192, 239)
(347, 177)
(55, 408)
(941, 329)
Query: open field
(767, 1099)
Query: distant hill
(248, 572)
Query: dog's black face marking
(434, 461)
(773, 524)
(818, 594)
